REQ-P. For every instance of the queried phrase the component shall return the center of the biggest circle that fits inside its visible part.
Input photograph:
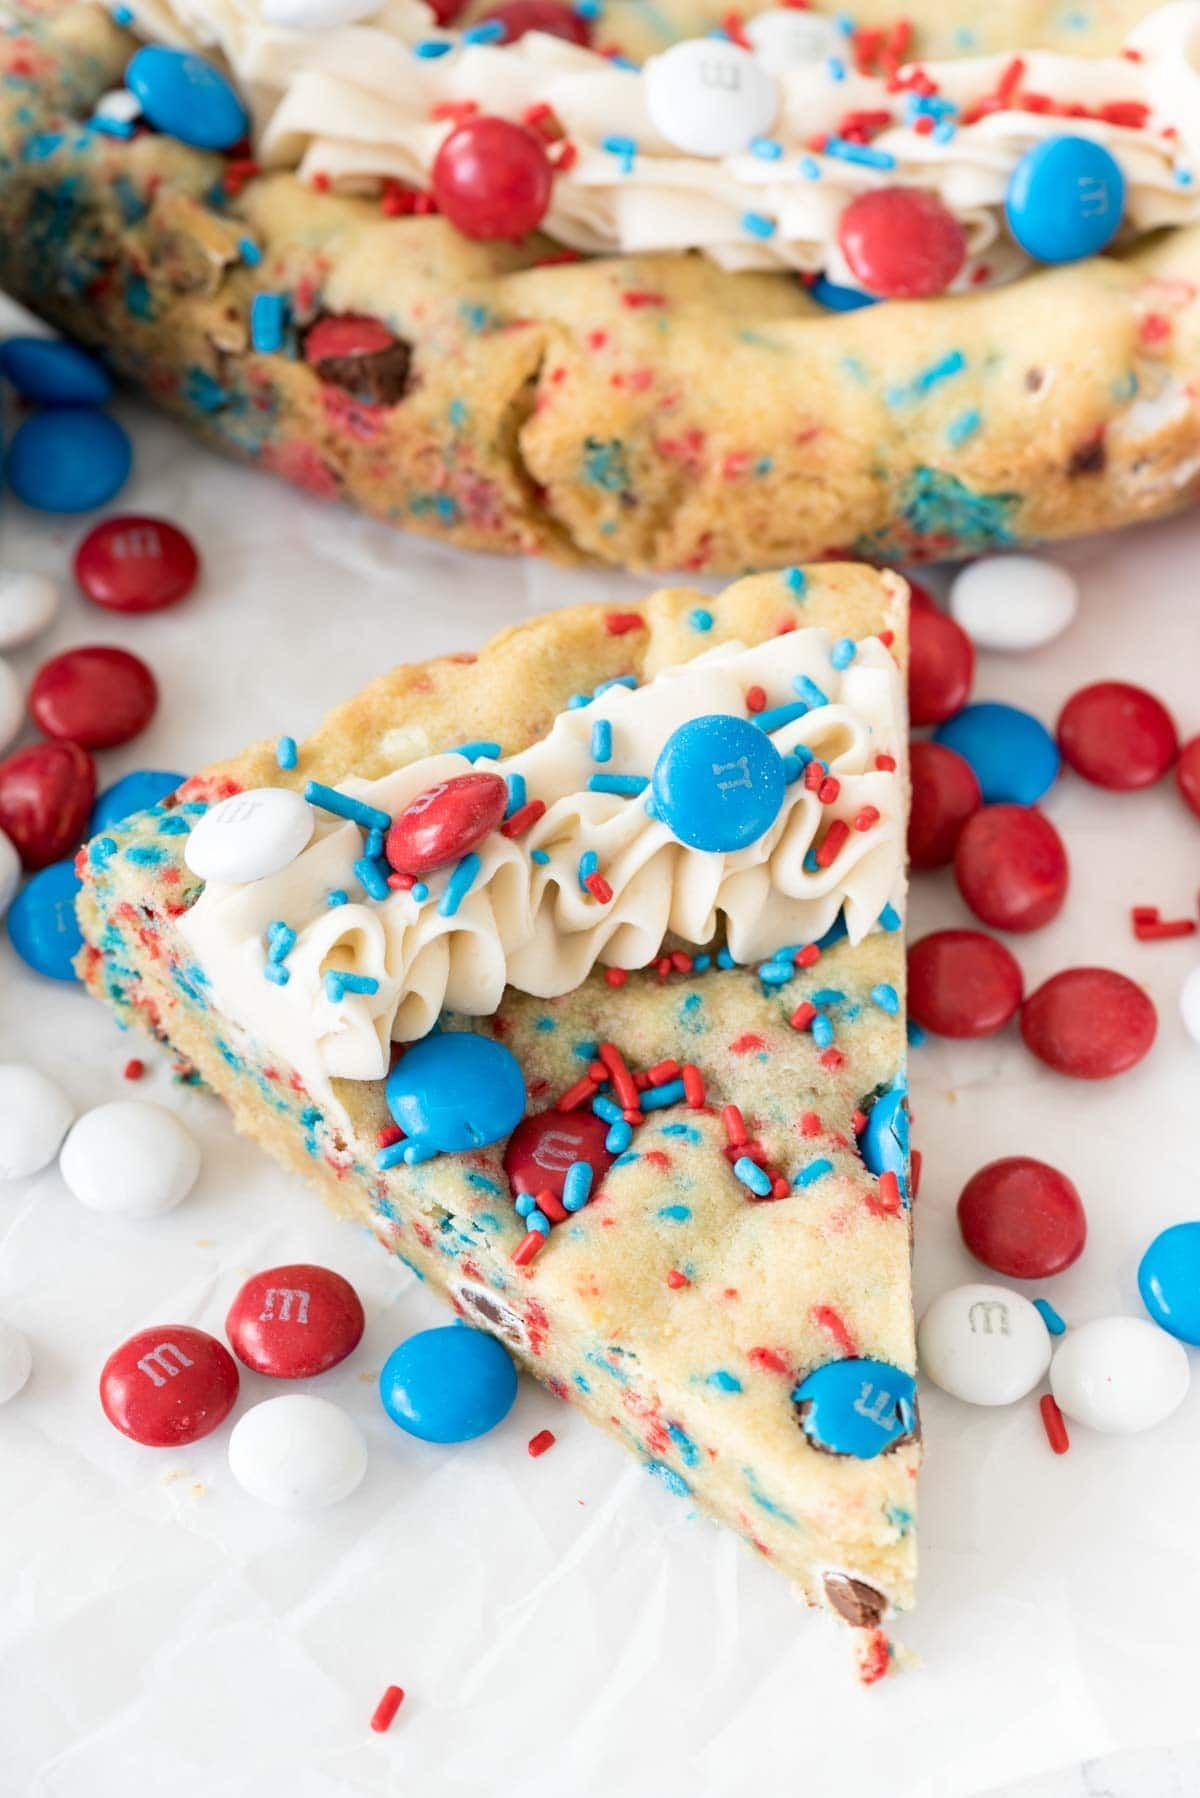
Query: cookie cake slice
(575, 970)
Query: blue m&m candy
(1065, 199)
(53, 373)
(857, 1407)
(456, 1091)
(718, 782)
(1169, 1281)
(448, 1385)
(134, 792)
(186, 97)
(883, 1140)
(1014, 757)
(42, 925)
(69, 459)
(839, 299)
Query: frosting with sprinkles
(596, 876)
(368, 106)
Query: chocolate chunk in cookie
(861, 1605)
(360, 355)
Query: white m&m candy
(984, 1344)
(298, 1453)
(28, 603)
(130, 1159)
(35, 1115)
(16, 1361)
(1013, 602)
(1119, 1375)
(709, 97)
(250, 836)
(786, 38)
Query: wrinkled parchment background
(563, 1626)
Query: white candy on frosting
(531, 925)
(355, 105)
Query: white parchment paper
(563, 1626)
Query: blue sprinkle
(822, 1032)
(657, 1098)
(268, 317)
(538, 1221)
(776, 716)
(835, 68)
(619, 1137)
(864, 154)
(285, 752)
(944, 132)
(420, 892)
(524, 1203)
(725, 959)
(430, 47)
(751, 1175)
(816, 1170)
(461, 880)
(577, 1186)
(796, 581)
(828, 995)
(889, 918)
(475, 751)
(701, 964)
(540, 856)
(343, 806)
(757, 224)
(281, 941)
(766, 148)
(373, 878)
(843, 652)
(775, 973)
(627, 785)
(628, 681)
(606, 1108)
(808, 690)
(589, 863)
(337, 984)
(674, 1214)
(915, 1034)
(701, 619)
(810, 863)
(414, 1154)
(724, 1382)
(961, 429)
(276, 973)
(516, 793)
(392, 1156)
(602, 741)
(489, 31)
(338, 896)
(1050, 1317)
(375, 844)
(249, 252)
(623, 148)
(887, 998)
(810, 168)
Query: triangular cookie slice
(667, 906)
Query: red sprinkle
(885, 763)
(622, 1079)
(803, 1015)
(527, 1248)
(541, 1442)
(1052, 1420)
(134, 1069)
(615, 976)
(735, 1125)
(868, 817)
(599, 888)
(808, 957)
(618, 623)
(384, 1714)
(693, 1086)
(1148, 927)
(676, 1280)
(889, 1191)
(835, 836)
(522, 818)
(579, 1094)
(756, 699)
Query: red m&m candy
(920, 599)
(1187, 774)
(169, 1385)
(445, 822)
(556, 20)
(46, 797)
(135, 563)
(940, 669)
(491, 179)
(544, 1146)
(1090, 1023)
(963, 983)
(1117, 735)
(1011, 867)
(97, 696)
(295, 1321)
(1022, 1218)
(901, 243)
(945, 793)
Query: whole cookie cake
(662, 287)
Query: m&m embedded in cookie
(545, 1146)
(718, 783)
(857, 1407)
(456, 1091)
(186, 97)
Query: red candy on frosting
(901, 243)
(135, 563)
(1117, 736)
(963, 983)
(492, 179)
(945, 793)
(1090, 1023)
(548, 16)
(941, 667)
(169, 1385)
(97, 696)
(46, 795)
(1011, 867)
(1022, 1218)
(543, 1147)
(445, 822)
(295, 1321)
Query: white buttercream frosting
(528, 922)
(355, 105)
